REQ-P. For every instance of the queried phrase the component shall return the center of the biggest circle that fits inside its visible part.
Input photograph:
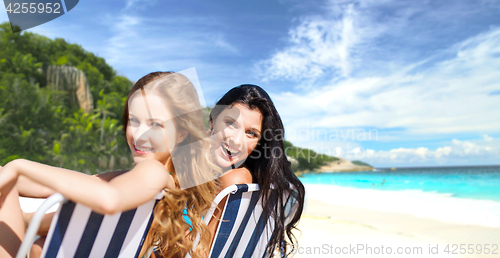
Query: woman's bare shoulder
(155, 171)
(236, 176)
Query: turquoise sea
(478, 182)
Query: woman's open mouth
(142, 150)
(228, 151)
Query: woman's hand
(8, 178)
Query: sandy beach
(329, 230)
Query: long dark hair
(268, 164)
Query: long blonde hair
(169, 229)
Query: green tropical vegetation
(307, 159)
(361, 163)
(42, 124)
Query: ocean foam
(431, 205)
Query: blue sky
(389, 82)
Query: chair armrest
(232, 189)
(35, 223)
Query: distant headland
(343, 165)
(308, 161)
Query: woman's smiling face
(150, 133)
(235, 134)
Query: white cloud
(220, 41)
(317, 44)
(409, 79)
(352, 37)
(453, 152)
(139, 4)
(124, 28)
(456, 151)
(450, 96)
(337, 42)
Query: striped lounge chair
(77, 231)
(244, 229)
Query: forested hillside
(43, 124)
(307, 159)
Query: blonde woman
(164, 129)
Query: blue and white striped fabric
(245, 229)
(77, 231)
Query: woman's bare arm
(123, 192)
(44, 226)
(29, 188)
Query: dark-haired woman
(247, 141)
